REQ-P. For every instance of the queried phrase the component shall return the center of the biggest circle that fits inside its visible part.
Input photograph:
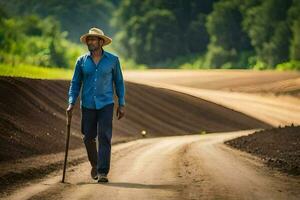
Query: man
(98, 72)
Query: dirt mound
(290, 87)
(252, 81)
(278, 147)
(32, 116)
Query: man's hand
(70, 109)
(120, 112)
(69, 113)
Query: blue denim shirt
(97, 81)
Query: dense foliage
(35, 41)
(262, 34)
(217, 34)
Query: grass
(37, 72)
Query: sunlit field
(35, 72)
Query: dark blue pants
(98, 123)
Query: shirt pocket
(88, 69)
(106, 70)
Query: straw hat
(96, 32)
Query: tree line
(46, 33)
(261, 34)
(35, 41)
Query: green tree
(180, 24)
(154, 37)
(196, 35)
(268, 30)
(227, 38)
(76, 17)
(32, 40)
(294, 22)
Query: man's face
(94, 43)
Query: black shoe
(94, 173)
(102, 178)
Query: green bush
(292, 65)
(35, 41)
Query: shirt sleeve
(76, 82)
(119, 83)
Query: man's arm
(120, 88)
(75, 86)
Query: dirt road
(176, 167)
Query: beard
(92, 47)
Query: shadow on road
(135, 185)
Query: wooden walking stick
(69, 117)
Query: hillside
(33, 116)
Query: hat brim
(107, 40)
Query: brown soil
(32, 123)
(33, 116)
(250, 81)
(278, 147)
